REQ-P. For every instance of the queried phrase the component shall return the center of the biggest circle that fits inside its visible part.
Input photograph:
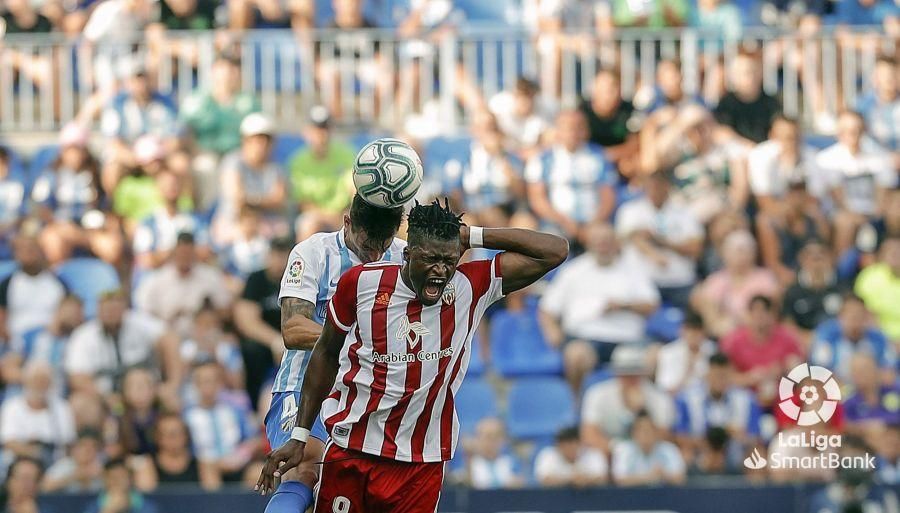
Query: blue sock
(290, 497)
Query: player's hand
(278, 463)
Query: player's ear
(347, 225)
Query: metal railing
(372, 78)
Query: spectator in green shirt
(649, 13)
(320, 177)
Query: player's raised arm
(528, 256)
(298, 328)
(299, 287)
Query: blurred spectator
(596, 302)
(177, 291)
(569, 463)
(889, 456)
(815, 294)
(492, 465)
(12, 202)
(718, 17)
(91, 413)
(22, 485)
(102, 349)
(172, 461)
(782, 234)
(874, 405)
(722, 299)
(31, 294)
(135, 193)
(157, 235)
(571, 184)
(187, 14)
(668, 238)
(486, 181)
(683, 363)
(647, 458)
(522, 116)
(853, 490)
(720, 227)
(880, 108)
(257, 316)
(248, 14)
(119, 495)
(746, 111)
(21, 17)
(611, 406)
(762, 349)
(712, 455)
(224, 436)
(857, 171)
(68, 195)
(791, 14)
(653, 14)
(879, 286)
(717, 403)
(247, 252)
(116, 21)
(320, 178)
(209, 342)
(82, 470)
(37, 423)
(610, 119)
(668, 91)
(781, 160)
(853, 331)
(872, 234)
(141, 408)
(250, 177)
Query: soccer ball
(387, 173)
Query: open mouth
(433, 288)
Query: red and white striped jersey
(402, 362)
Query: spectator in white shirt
(684, 362)
(522, 116)
(179, 289)
(858, 172)
(101, 350)
(597, 301)
(647, 458)
(30, 295)
(774, 164)
(666, 235)
(36, 423)
(570, 463)
(610, 407)
(492, 465)
(82, 470)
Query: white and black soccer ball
(387, 173)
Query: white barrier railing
(372, 78)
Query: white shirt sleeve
(632, 218)
(534, 170)
(8, 424)
(759, 164)
(547, 464)
(78, 351)
(593, 463)
(101, 21)
(66, 422)
(553, 301)
(303, 272)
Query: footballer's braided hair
(433, 221)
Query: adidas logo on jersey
(383, 299)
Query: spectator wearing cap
(646, 457)
(572, 183)
(872, 234)
(320, 179)
(68, 196)
(723, 297)
(178, 290)
(683, 363)
(31, 294)
(22, 486)
(857, 172)
(492, 465)
(879, 286)
(257, 316)
(611, 406)
(597, 302)
(522, 116)
(746, 112)
(250, 177)
(570, 463)
(875, 404)
(881, 106)
(81, 471)
(610, 120)
(815, 295)
(761, 349)
(119, 494)
(717, 403)
(102, 349)
(668, 238)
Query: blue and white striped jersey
(312, 273)
(573, 179)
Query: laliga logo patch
(411, 331)
(449, 295)
(814, 379)
(295, 271)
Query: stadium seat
(360, 139)
(6, 268)
(475, 400)
(87, 278)
(598, 376)
(538, 408)
(665, 324)
(819, 142)
(518, 347)
(41, 160)
(285, 147)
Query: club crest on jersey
(449, 295)
(295, 271)
(411, 331)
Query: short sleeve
(486, 278)
(630, 219)
(342, 305)
(534, 170)
(758, 162)
(301, 276)
(78, 355)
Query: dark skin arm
(297, 327)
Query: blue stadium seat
(665, 323)
(819, 142)
(360, 139)
(41, 159)
(518, 347)
(285, 147)
(539, 408)
(475, 400)
(87, 278)
(7, 267)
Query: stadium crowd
(716, 247)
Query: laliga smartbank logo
(818, 394)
